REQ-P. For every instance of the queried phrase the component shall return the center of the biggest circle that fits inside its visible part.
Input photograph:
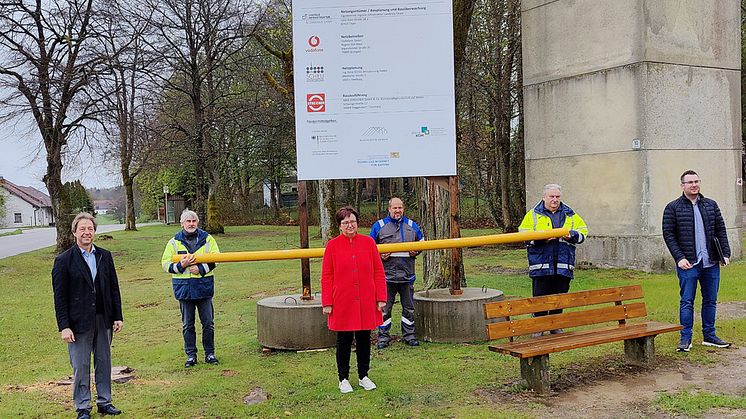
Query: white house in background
(103, 206)
(25, 206)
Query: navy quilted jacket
(678, 228)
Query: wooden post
(455, 233)
(305, 265)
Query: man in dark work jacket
(88, 307)
(692, 228)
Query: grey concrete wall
(599, 74)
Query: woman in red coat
(353, 294)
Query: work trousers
(406, 296)
(548, 285)
(205, 310)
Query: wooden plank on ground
(519, 327)
(556, 301)
(573, 340)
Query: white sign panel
(374, 89)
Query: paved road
(37, 238)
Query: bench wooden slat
(512, 328)
(573, 340)
(508, 308)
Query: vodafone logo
(314, 41)
(316, 102)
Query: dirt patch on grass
(51, 391)
(607, 388)
(732, 310)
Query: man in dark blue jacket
(695, 234)
(88, 307)
(399, 267)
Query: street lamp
(165, 203)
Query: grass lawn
(105, 219)
(432, 380)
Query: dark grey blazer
(74, 293)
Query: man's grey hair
(548, 187)
(188, 214)
(83, 216)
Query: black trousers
(547, 285)
(344, 348)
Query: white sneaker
(345, 387)
(367, 384)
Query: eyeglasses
(348, 223)
(691, 182)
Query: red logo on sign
(314, 41)
(316, 102)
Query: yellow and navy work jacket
(553, 257)
(189, 286)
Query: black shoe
(716, 342)
(190, 362)
(382, 345)
(210, 359)
(84, 414)
(108, 409)
(684, 345)
(412, 342)
(556, 331)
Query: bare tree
(199, 45)
(46, 61)
(495, 81)
(123, 96)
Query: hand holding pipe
(382, 248)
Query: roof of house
(31, 195)
(103, 204)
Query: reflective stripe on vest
(546, 266)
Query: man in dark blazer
(88, 307)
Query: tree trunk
(213, 220)
(434, 217)
(129, 214)
(58, 195)
(327, 209)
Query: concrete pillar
(620, 98)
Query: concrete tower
(622, 96)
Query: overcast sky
(23, 162)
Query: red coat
(352, 282)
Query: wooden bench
(639, 346)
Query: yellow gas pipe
(382, 248)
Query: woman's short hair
(345, 212)
(188, 214)
(83, 216)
